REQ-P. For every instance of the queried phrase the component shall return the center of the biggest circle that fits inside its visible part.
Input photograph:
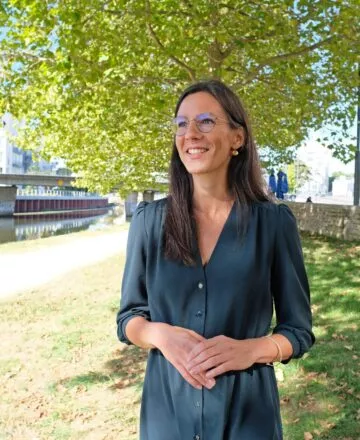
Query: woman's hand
(220, 354)
(176, 343)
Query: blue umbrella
(282, 185)
(272, 182)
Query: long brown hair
(245, 180)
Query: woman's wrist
(265, 351)
(143, 333)
(262, 351)
(271, 348)
(156, 334)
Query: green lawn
(63, 375)
(321, 393)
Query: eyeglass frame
(216, 118)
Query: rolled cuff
(124, 321)
(300, 340)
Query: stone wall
(7, 200)
(339, 221)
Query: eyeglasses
(205, 122)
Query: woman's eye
(182, 124)
(207, 121)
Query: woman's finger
(196, 380)
(200, 347)
(204, 356)
(189, 378)
(221, 369)
(206, 382)
(209, 363)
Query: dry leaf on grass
(308, 436)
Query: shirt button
(196, 437)
(199, 313)
(200, 285)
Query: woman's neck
(211, 198)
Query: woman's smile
(196, 152)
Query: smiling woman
(204, 268)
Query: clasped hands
(200, 360)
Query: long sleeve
(290, 287)
(134, 300)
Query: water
(30, 227)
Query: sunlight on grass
(320, 393)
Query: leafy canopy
(97, 80)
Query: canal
(29, 227)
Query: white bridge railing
(38, 192)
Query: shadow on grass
(321, 392)
(126, 370)
(128, 367)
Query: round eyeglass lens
(205, 124)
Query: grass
(63, 375)
(321, 393)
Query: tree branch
(167, 13)
(252, 38)
(176, 60)
(236, 10)
(138, 80)
(151, 80)
(15, 55)
(285, 56)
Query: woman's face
(206, 153)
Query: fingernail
(210, 383)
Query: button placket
(200, 314)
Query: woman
(204, 267)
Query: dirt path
(23, 271)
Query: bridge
(13, 200)
(36, 180)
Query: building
(317, 158)
(13, 160)
(322, 185)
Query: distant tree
(336, 174)
(298, 173)
(97, 80)
(34, 168)
(63, 172)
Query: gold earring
(235, 152)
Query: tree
(97, 80)
(298, 173)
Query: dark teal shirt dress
(233, 295)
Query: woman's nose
(192, 130)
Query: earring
(234, 152)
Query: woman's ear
(239, 138)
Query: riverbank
(25, 265)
